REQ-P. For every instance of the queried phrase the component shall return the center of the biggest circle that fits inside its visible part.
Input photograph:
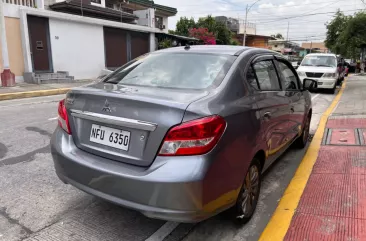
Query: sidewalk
(326, 199)
(333, 204)
(24, 90)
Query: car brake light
(195, 137)
(63, 119)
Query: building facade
(315, 46)
(285, 47)
(78, 38)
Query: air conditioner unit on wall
(161, 26)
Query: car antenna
(187, 47)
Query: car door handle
(267, 115)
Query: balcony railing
(28, 3)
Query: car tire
(302, 140)
(247, 200)
(333, 90)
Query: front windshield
(320, 61)
(174, 70)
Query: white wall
(77, 48)
(251, 28)
(146, 17)
(102, 4)
(165, 22)
(143, 16)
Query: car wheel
(303, 139)
(333, 90)
(249, 194)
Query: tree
(204, 35)
(334, 31)
(208, 22)
(353, 37)
(220, 31)
(278, 36)
(184, 25)
(223, 34)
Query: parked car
(183, 133)
(322, 68)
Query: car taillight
(63, 119)
(194, 137)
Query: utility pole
(81, 7)
(247, 9)
(288, 27)
(311, 45)
(7, 77)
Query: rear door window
(289, 78)
(266, 75)
(251, 79)
(174, 70)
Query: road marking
(314, 97)
(53, 118)
(163, 231)
(278, 225)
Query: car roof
(323, 54)
(210, 49)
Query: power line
(304, 15)
(243, 9)
(297, 22)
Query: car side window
(251, 79)
(266, 75)
(289, 79)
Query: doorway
(39, 40)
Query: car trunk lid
(132, 120)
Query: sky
(304, 19)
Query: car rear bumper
(171, 188)
(323, 83)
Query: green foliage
(221, 32)
(208, 22)
(166, 43)
(334, 31)
(184, 25)
(171, 31)
(346, 34)
(234, 42)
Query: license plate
(116, 138)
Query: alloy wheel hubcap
(250, 192)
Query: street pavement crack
(3, 150)
(39, 130)
(13, 221)
(28, 157)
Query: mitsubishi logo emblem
(106, 107)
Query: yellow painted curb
(278, 225)
(36, 93)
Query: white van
(321, 68)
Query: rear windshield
(174, 70)
(320, 61)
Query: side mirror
(310, 84)
(298, 63)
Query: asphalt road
(36, 206)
